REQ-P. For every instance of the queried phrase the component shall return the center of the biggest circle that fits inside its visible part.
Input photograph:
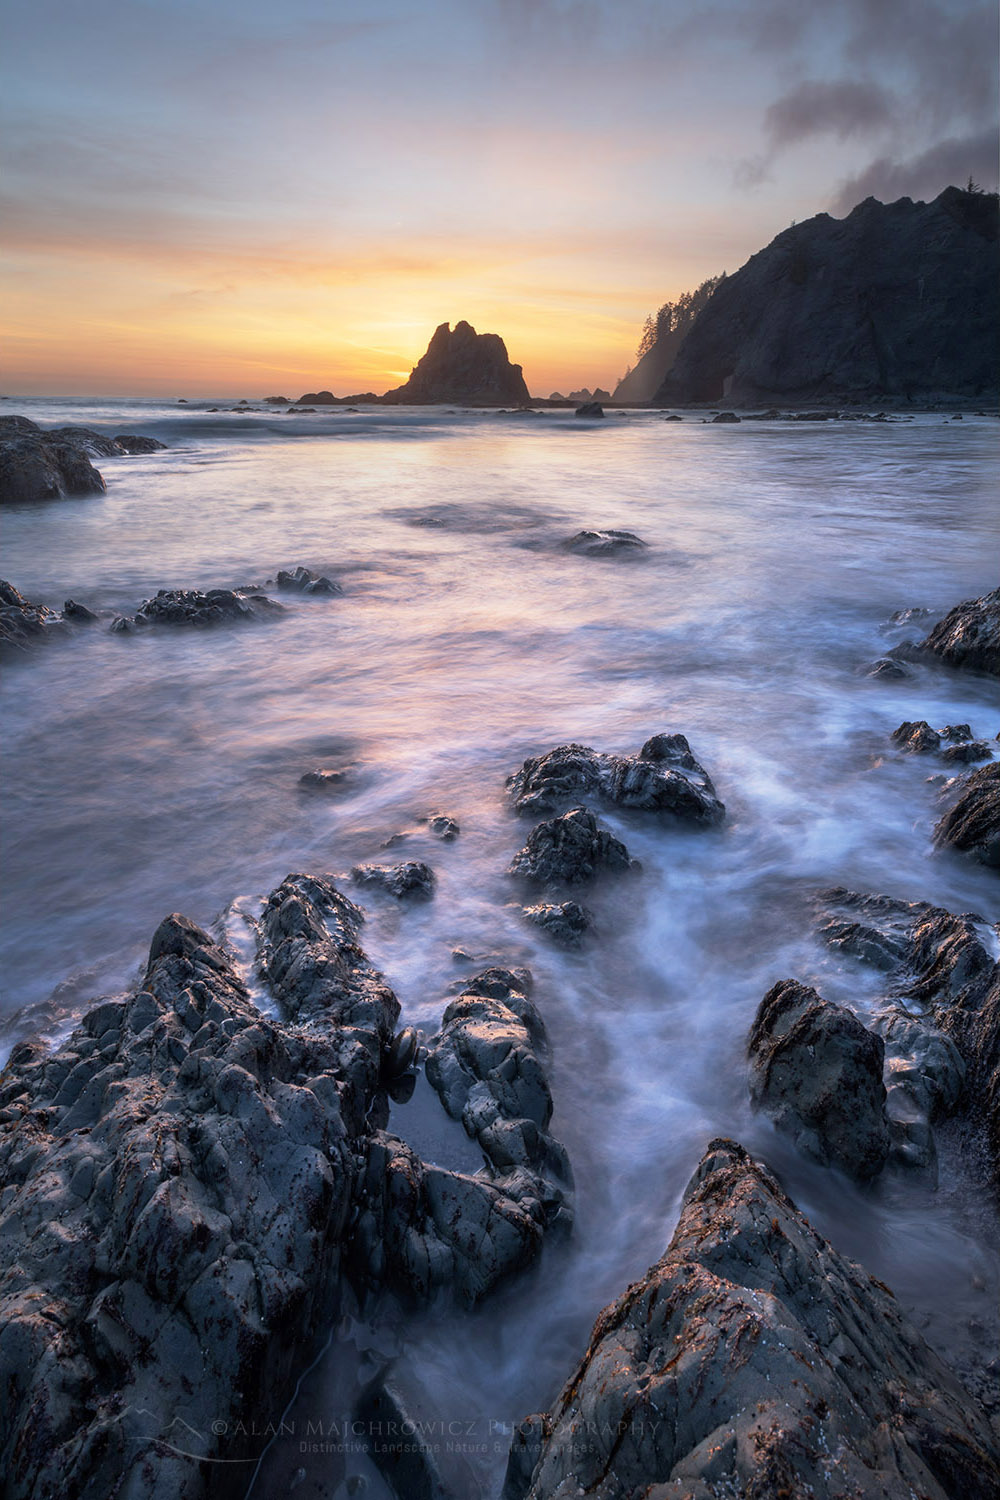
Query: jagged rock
(590, 409)
(570, 850)
(969, 635)
(21, 621)
(664, 778)
(191, 607)
(942, 972)
(754, 1360)
(302, 581)
(887, 666)
(463, 366)
(605, 543)
(897, 299)
(175, 1182)
(973, 824)
(916, 737)
(73, 611)
(925, 1080)
(967, 752)
(818, 1073)
(410, 880)
(567, 922)
(443, 827)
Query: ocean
(159, 772)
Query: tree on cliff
(675, 318)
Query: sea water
(159, 772)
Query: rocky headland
(898, 300)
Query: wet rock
(590, 409)
(302, 581)
(131, 442)
(21, 622)
(887, 667)
(663, 778)
(946, 978)
(967, 752)
(567, 922)
(973, 823)
(916, 737)
(322, 780)
(175, 1181)
(443, 827)
(570, 850)
(969, 635)
(818, 1073)
(79, 612)
(925, 1080)
(605, 543)
(726, 416)
(35, 466)
(411, 880)
(193, 608)
(754, 1360)
(956, 732)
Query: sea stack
(465, 367)
(898, 300)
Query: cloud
(842, 108)
(950, 162)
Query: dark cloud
(950, 162)
(843, 108)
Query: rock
(35, 468)
(973, 824)
(955, 732)
(324, 781)
(95, 443)
(175, 1182)
(570, 850)
(21, 621)
(967, 752)
(605, 543)
(663, 778)
(277, 401)
(130, 442)
(191, 607)
(726, 416)
(463, 366)
(916, 737)
(80, 612)
(818, 1073)
(318, 398)
(754, 1360)
(925, 1080)
(410, 880)
(940, 969)
(896, 299)
(590, 409)
(302, 581)
(443, 827)
(566, 922)
(969, 635)
(887, 666)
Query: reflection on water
(160, 773)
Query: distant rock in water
(464, 366)
(899, 299)
(192, 607)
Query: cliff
(899, 300)
(463, 366)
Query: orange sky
(234, 199)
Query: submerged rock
(131, 442)
(570, 850)
(942, 972)
(969, 635)
(754, 1360)
(605, 543)
(973, 824)
(410, 880)
(443, 827)
(324, 780)
(663, 778)
(818, 1073)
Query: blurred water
(159, 773)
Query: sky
(253, 197)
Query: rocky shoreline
(192, 1188)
